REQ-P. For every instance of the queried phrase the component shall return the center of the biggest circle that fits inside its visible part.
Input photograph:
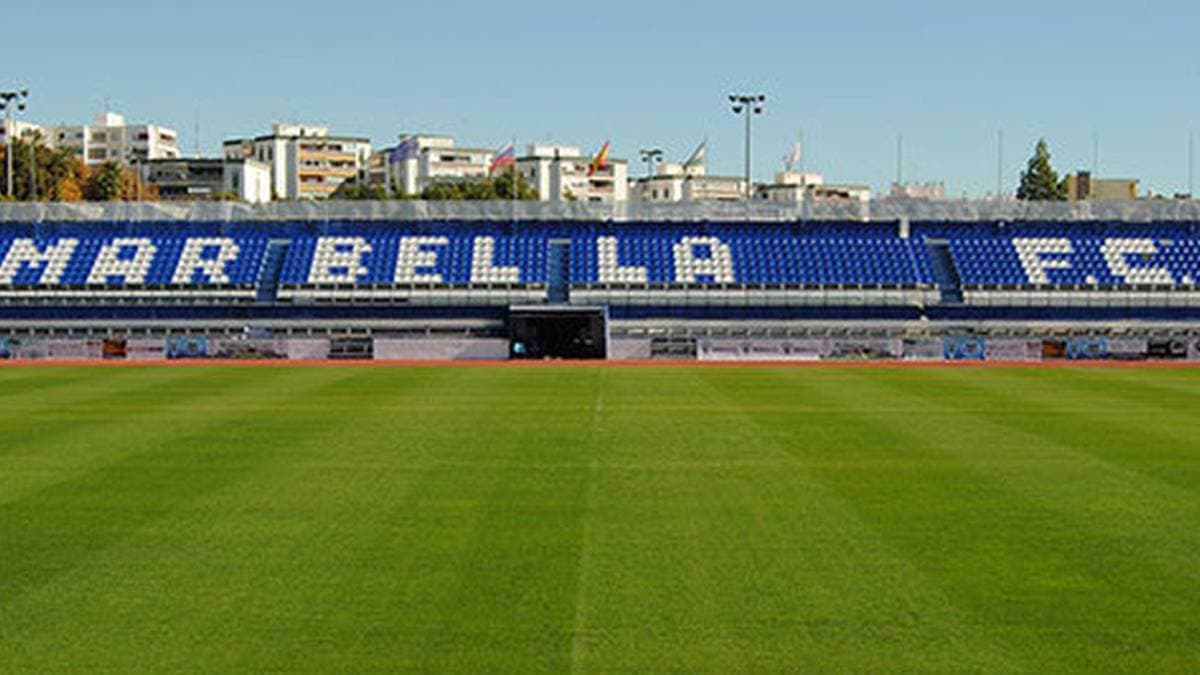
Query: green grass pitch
(599, 519)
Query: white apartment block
(677, 183)
(560, 173)
(794, 186)
(249, 180)
(423, 159)
(19, 130)
(110, 139)
(306, 161)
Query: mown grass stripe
(700, 520)
(1051, 558)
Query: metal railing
(881, 210)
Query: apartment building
(562, 173)
(306, 161)
(19, 130)
(110, 139)
(795, 186)
(419, 160)
(1083, 186)
(207, 178)
(679, 183)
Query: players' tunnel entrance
(558, 332)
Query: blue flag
(407, 149)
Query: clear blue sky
(852, 76)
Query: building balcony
(440, 169)
(348, 172)
(329, 155)
(318, 189)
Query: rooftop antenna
(1192, 164)
(899, 159)
(999, 163)
(1095, 153)
(196, 137)
(803, 151)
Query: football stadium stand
(389, 275)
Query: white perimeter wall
(430, 350)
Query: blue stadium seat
(1074, 254)
(491, 263)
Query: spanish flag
(600, 161)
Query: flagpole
(513, 189)
(801, 151)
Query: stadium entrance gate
(558, 332)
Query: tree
(356, 191)
(445, 190)
(498, 187)
(1039, 180)
(68, 174)
(504, 184)
(59, 174)
(103, 183)
(134, 189)
(45, 174)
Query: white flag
(792, 158)
(698, 156)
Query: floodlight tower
(8, 101)
(748, 105)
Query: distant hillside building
(794, 186)
(677, 183)
(419, 160)
(110, 139)
(1082, 186)
(206, 178)
(306, 161)
(19, 130)
(918, 191)
(560, 173)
